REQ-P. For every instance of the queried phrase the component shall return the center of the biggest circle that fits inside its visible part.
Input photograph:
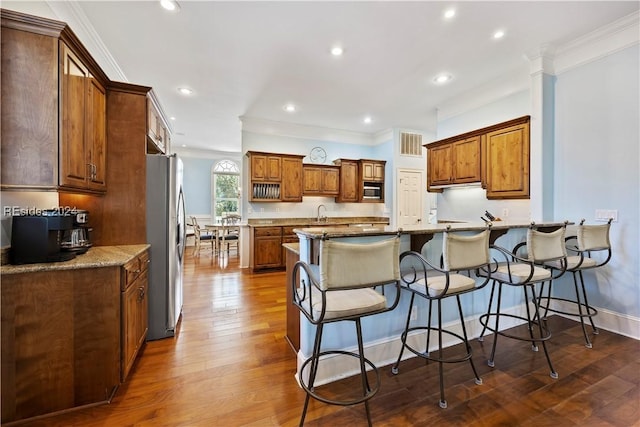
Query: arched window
(226, 188)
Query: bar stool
(460, 254)
(514, 270)
(590, 240)
(341, 288)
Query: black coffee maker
(37, 238)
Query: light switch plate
(604, 215)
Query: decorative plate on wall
(318, 155)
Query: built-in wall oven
(372, 191)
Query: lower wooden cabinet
(266, 248)
(135, 306)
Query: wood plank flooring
(231, 366)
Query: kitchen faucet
(321, 218)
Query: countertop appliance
(166, 233)
(37, 238)
(78, 239)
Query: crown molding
(270, 127)
(604, 41)
(207, 154)
(72, 14)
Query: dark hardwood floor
(231, 366)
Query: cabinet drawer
(132, 270)
(288, 231)
(268, 231)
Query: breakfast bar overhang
(382, 333)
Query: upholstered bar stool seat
(593, 248)
(341, 288)
(462, 257)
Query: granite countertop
(293, 247)
(312, 222)
(98, 256)
(318, 232)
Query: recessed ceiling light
(337, 51)
(184, 145)
(289, 108)
(498, 34)
(170, 5)
(449, 13)
(172, 118)
(367, 119)
(185, 90)
(442, 78)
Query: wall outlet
(604, 215)
(505, 213)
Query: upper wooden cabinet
(507, 162)
(321, 180)
(372, 170)
(46, 145)
(158, 135)
(348, 181)
(496, 156)
(292, 178)
(275, 177)
(456, 162)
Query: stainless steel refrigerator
(166, 233)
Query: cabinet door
(152, 122)
(348, 182)
(440, 165)
(265, 167)
(312, 180)
(291, 179)
(378, 171)
(134, 321)
(507, 168)
(466, 160)
(367, 171)
(74, 163)
(97, 131)
(330, 181)
(268, 252)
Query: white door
(410, 197)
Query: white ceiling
(250, 58)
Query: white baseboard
(385, 352)
(621, 324)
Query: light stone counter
(98, 256)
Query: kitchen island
(68, 333)
(381, 334)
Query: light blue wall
(197, 180)
(597, 141)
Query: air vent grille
(410, 144)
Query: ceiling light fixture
(185, 90)
(367, 119)
(172, 118)
(498, 34)
(442, 78)
(289, 108)
(449, 13)
(337, 51)
(170, 5)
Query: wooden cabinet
(53, 108)
(496, 156)
(372, 170)
(291, 179)
(371, 181)
(60, 340)
(507, 162)
(83, 134)
(321, 180)
(266, 248)
(275, 177)
(158, 135)
(455, 162)
(134, 305)
(348, 181)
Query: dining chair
(201, 235)
(463, 256)
(229, 234)
(342, 288)
(590, 248)
(525, 270)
